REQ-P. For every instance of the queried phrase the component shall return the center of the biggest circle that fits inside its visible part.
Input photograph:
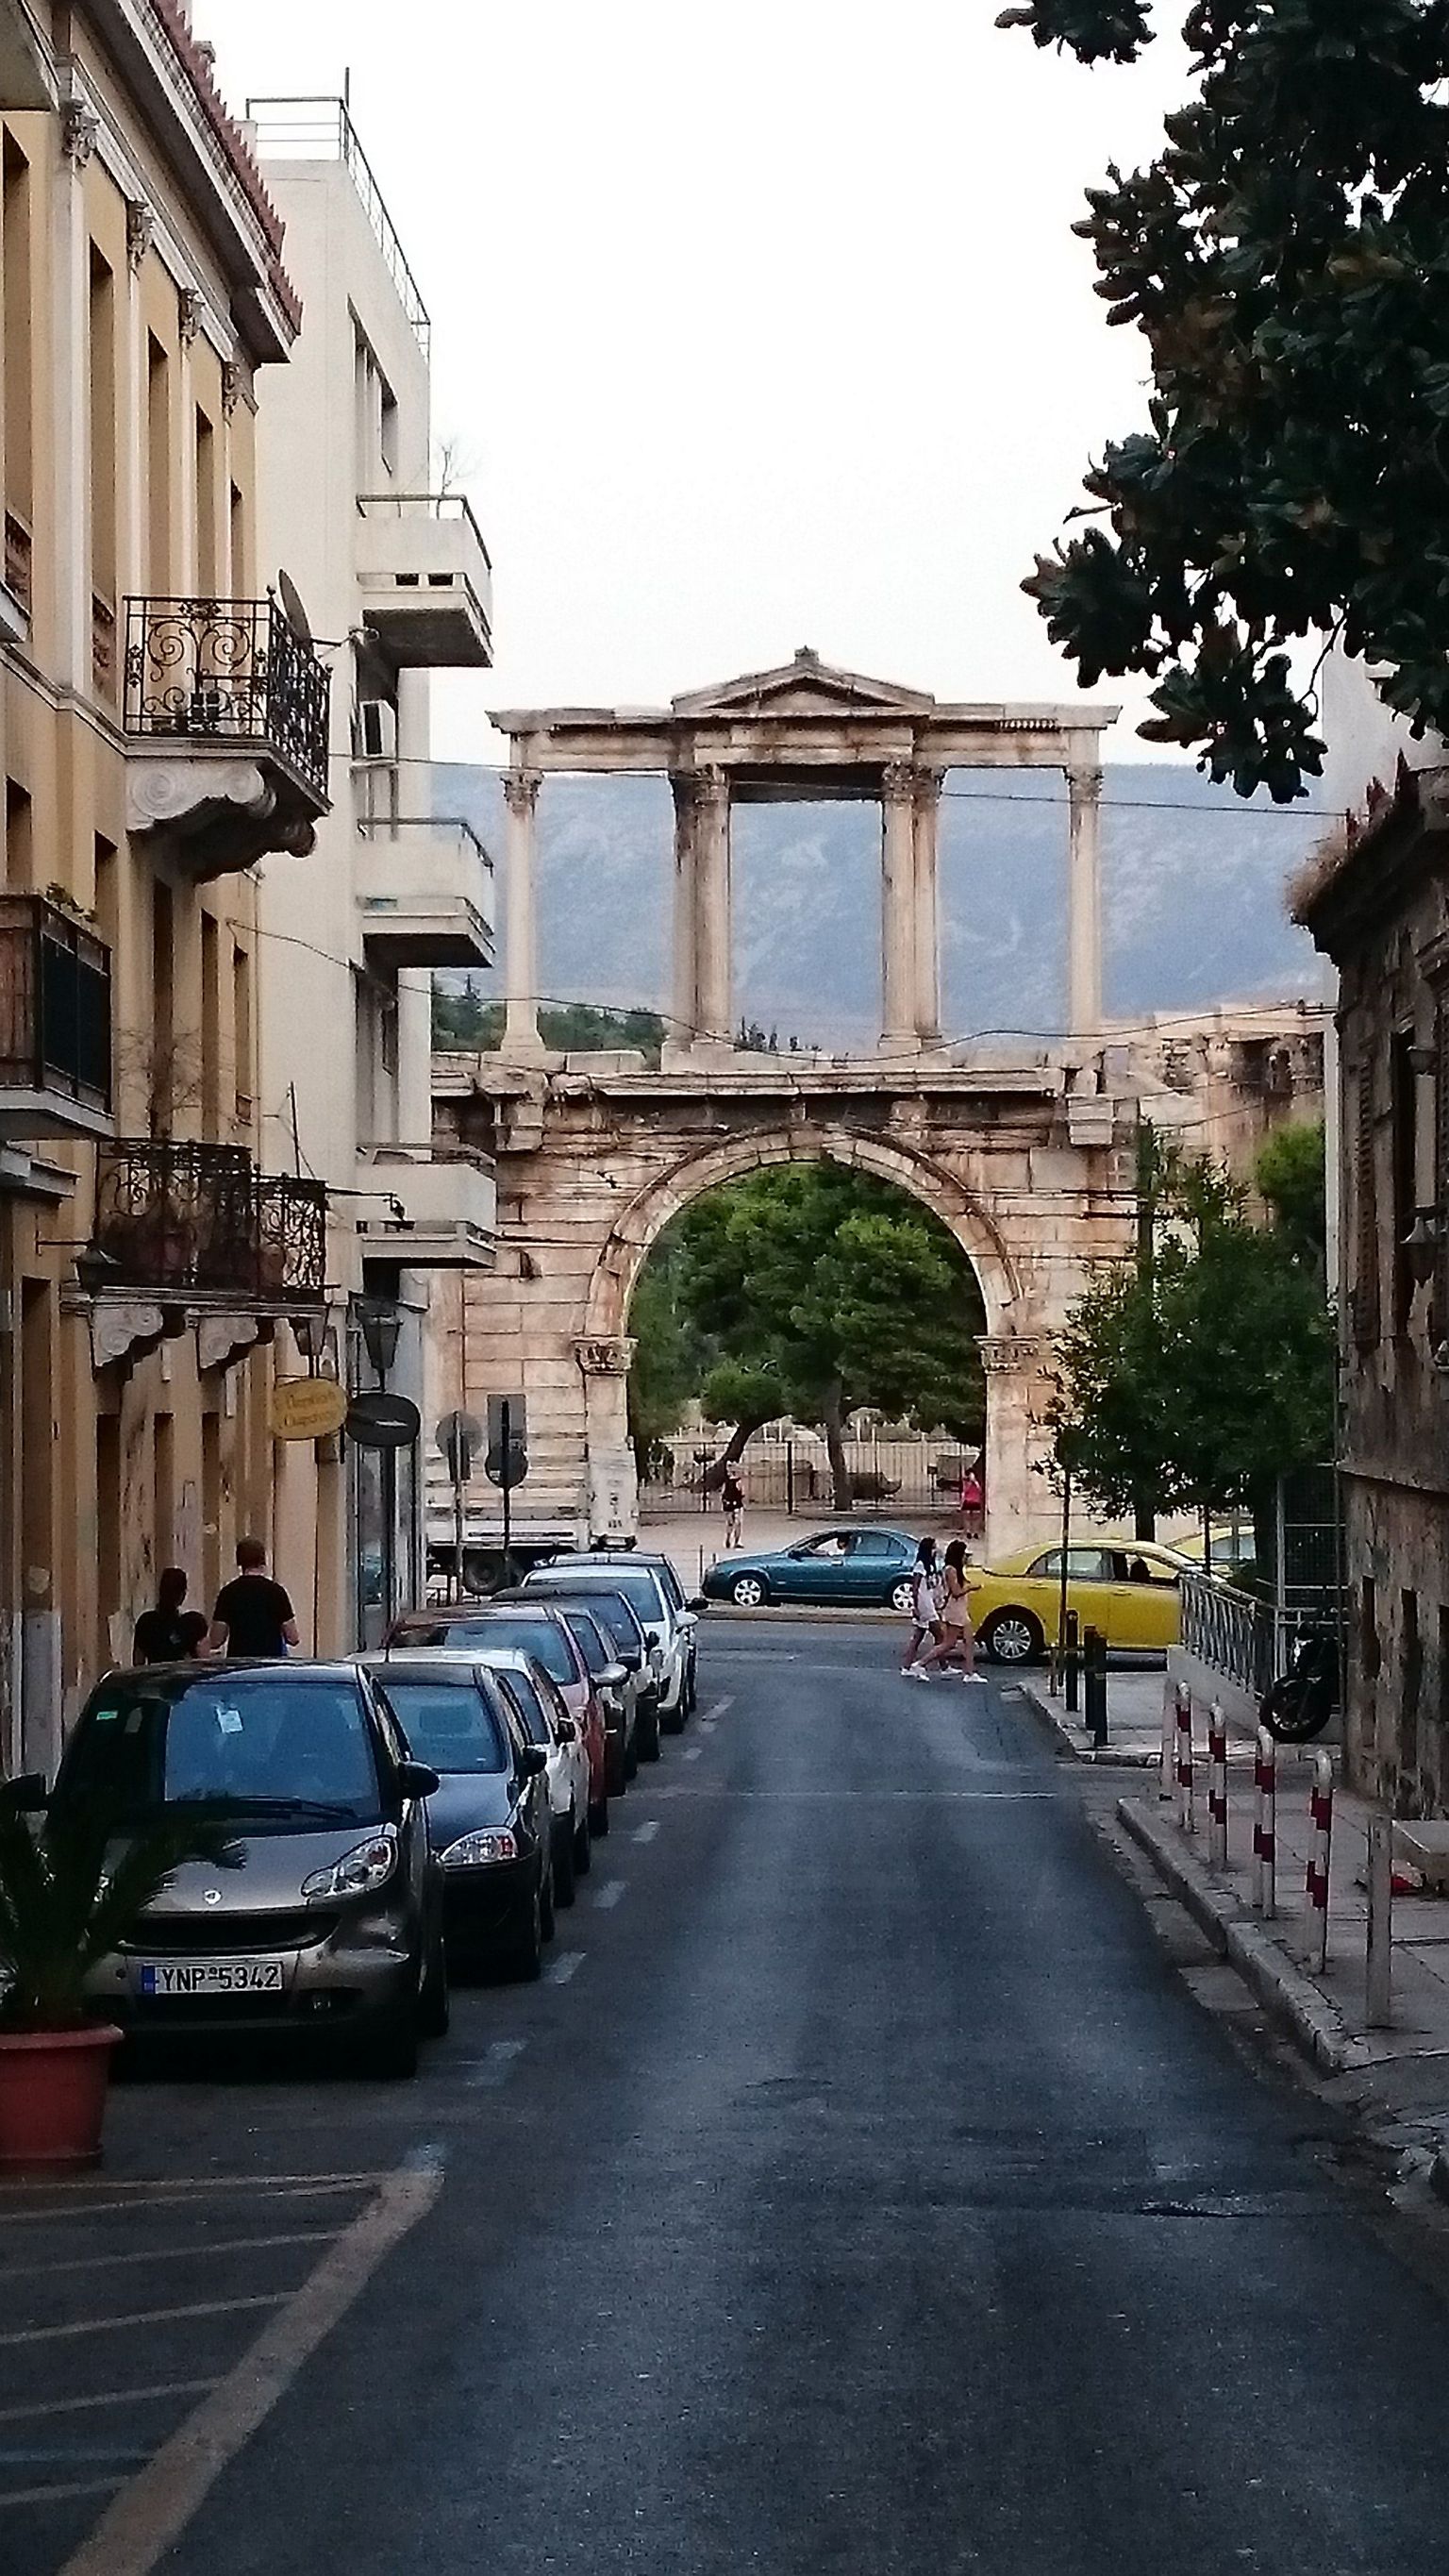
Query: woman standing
(925, 1602)
(169, 1634)
(957, 1637)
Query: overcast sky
(759, 326)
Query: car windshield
(283, 1747)
(538, 1637)
(639, 1588)
(448, 1723)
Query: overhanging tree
(1287, 258)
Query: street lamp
(381, 1329)
(309, 1332)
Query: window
(1366, 1320)
(1403, 1092)
(15, 371)
(19, 845)
(210, 1028)
(206, 506)
(1411, 1655)
(875, 1543)
(240, 578)
(241, 1032)
(158, 468)
(449, 1724)
(1370, 1653)
(1128, 1567)
(589, 1639)
(529, 1709)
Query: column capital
(1084, 777)
(927, 782)
(79, 127)
(520, 790)
(1009, 1354)
(190, 308)
(140, 226)
(897, 782)
(710, 784)
(604, 1354)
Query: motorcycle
(1299, 1704)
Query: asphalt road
(863, 2191)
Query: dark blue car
(838, 1568)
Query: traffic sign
(457, 1436)
(377, 1420)
(506, 1467)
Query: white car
(651, 1586)
(539, 1706)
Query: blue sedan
(839, 1569)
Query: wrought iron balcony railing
(55, 1004)
(189, 1221)
(227, 671)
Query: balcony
(55, 1024)
(426, 581)
(226, 712)
(426, 1211)
(425, 893)
(199, 1225)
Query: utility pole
(1144, 1519)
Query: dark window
(875, 1543)
(589, 1639)
(1404, 1105)
(1366, 1322)
(1443, 1665)
(1411, 1654)
(541, 1638)
(449, 1724)
(527, 1707)
(1370, 1652)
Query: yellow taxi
(1125, 1588)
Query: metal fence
(1233, 1632)
(903, 1476)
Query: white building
(395, 577)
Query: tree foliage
(1199, 1384)
(1287, 258)
(1291, 1175)
(461, 1018)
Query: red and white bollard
(1320, 1809)
(1184, 1758)
(1218, 1785)
(1265, 1826)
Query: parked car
(838, 1568)
(328, 1925)
(1128, 1591)
(632, 1701)
(529, 1627)
(545, 1721)
(490, 1815)
(652, 1586)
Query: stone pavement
(1396, 2078)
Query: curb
(1105, 1757)
(796, 1615)
(1285, 1990)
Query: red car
(529, 1629)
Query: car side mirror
(26, 1796)
(651, 1636)
(417, 1779)
(566, 1731)
(697, 1601)
(630, 1659)
(614, 1676)
(533, 1761)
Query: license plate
(211, 1977)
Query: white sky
(759, 326)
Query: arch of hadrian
(1026, 1155)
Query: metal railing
(321, 129)
(227, 671)
(433, 827)
(55, 1004)
(1232, 1632)
(190, 1220)
(423, 505)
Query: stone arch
(918, 1175)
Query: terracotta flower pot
(53, 2094)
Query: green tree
(826, 1290)
(669, 1360)
(1284, 257)
(1292, 1181)
(1203, 1383)
(463, 1020)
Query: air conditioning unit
(376, 729)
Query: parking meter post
(1071, 1630)
(1094, 1662)
(507, 1490)
(457, 1584)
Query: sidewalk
(1399, 2076)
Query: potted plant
(68, 1895)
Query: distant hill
(1192, 898)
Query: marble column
(685, 987)
(928, 927)
(610, 1484)
(712, 925)
(898, 909)
(520, 957)
(1084, 901)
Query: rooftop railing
(321, 129)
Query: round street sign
(457, 1436)
(307, 1408)
(508, 1466)
(377, 1420)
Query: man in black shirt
(253, 1615)
(168, 1634)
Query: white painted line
(692, 1752)
(645, 1833)
(558, 1975)
(609, 1894)
(146, 2317)
(707, 1725)
(488, 2073)
(713, 1714)
(47, 2495)
(140, 2526)
(177, 2253)
(108, 2397)
(287, 2187)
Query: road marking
(558, 1975)
(176, 2253)
(147, 2317)
(720, 1709)
(488, 2073)
(45, 2495)
(692, 1752)
(610, 1893)
(108, 2397)
(140, 2526)
(287, 2187)
(645, 1833)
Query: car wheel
(525, 1957)
(747, 1592)
(583, 1846)
(691, 1688)
(546, 1903)
(563, 1862)
(433, 2001)
(1013, 1637)
(599, 1819)
(902, 1595)
(671, 1720)
(646, 1735)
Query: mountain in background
(1192, 888)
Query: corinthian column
(686, 899)
(520, 958)
(712, 904)
(898, 909)
(1084, 901)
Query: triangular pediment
(805, 687)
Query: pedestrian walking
(732, 1495)
(169, 1633)
(925, 1602)
(958, 1638)
(972, 1500)
(253, 1615)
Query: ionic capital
(520, 789)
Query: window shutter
(1366, 1308)
(1439, 1328)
